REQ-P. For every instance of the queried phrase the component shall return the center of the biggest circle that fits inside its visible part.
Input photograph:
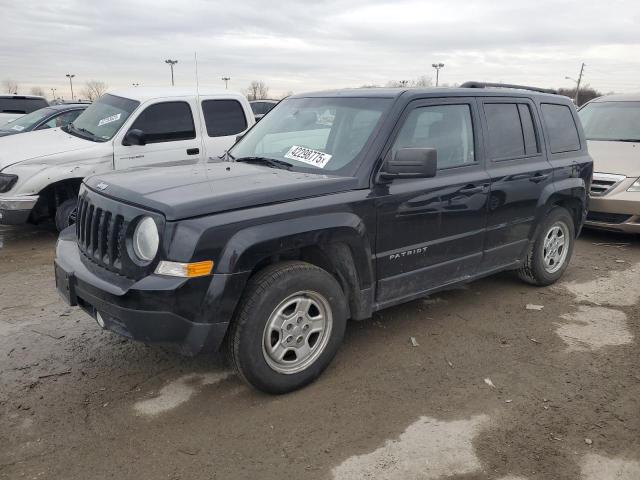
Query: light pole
(135, 84)
(226, 82)
(53, 93)
(578, 81)
(70, 77)
(171, 64)
(437, 66)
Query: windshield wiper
(270, 162)
(82, 132)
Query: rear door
(224, 120)
(171, 136)
(519, 172)
(430, 231)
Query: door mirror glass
(412, 163)
(135, 137)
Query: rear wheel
(549, 254)
(288, 328)
(66, 214)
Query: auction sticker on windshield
(110, 119)
(309, 156)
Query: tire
(66, 214)
(558, 224)
(265, 347)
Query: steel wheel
(555, 247)
(297, 332)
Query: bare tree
(257, 90)
(586, 94)
(94, 89)
(10, 86)
(422, 81)
(38, 91)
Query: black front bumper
(156, 309)
(14, 217)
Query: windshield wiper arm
(91, 136)
(270, 162)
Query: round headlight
(146, 239)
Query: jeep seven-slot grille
(100, 235)
(603, 183)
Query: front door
(430, 232)
(170, 136)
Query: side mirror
(135, 137)
(411, 163)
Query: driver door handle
(193, 151)
(539, 177)
(473, 189)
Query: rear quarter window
(223, 117)
(563, 133)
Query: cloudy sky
(299, 45)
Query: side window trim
(164, 102)
(534, 118)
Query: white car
(41, 171)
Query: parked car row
(265, 239)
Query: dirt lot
(493, 390)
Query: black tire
(266, 292)
(66, 214)
(534, 270)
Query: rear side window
(223, 117)
(563, 133)
(447, 128)
(511, 131)
(166, 122)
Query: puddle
(618, 288)
(592, 328)
(428, 449)
(598, 467)
(177, 392)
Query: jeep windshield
(314, 134)
(613, 121)
(103, 118)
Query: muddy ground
(493, 390)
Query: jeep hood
(621, 158)
(190, 191)
(39, 145)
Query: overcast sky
(296, 45)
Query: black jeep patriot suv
(334, 206)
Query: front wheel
(66, 214)
(288, 328)
(551, 250)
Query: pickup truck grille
(603, 183)
(100, 235)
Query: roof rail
(506, 85)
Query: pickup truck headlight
(635, 187)
(7, 181)
(146, 239)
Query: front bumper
(156, 309)
(16, 210)
(617, 211)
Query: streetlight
(70, 76)
(135, 84)
(437, 66)
(226, 81)
(53, 93)
(171, 63)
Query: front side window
(447, 128)
(614, 121)
(166, 122)
(103, 118)
(223, 117)
(61, 120)
(563, 134)
(314, 134)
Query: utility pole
(226, 82)
(437, 66)
(171, 63)
(578, 84)
(70, 77)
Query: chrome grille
(603, 183)
(100, 235)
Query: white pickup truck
(41, 171)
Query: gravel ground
(491, 390)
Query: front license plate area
(65, 285)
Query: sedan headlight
(635, 187)
(7, 181)
(146, 239)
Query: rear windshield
(21, 104)
(616, 121)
